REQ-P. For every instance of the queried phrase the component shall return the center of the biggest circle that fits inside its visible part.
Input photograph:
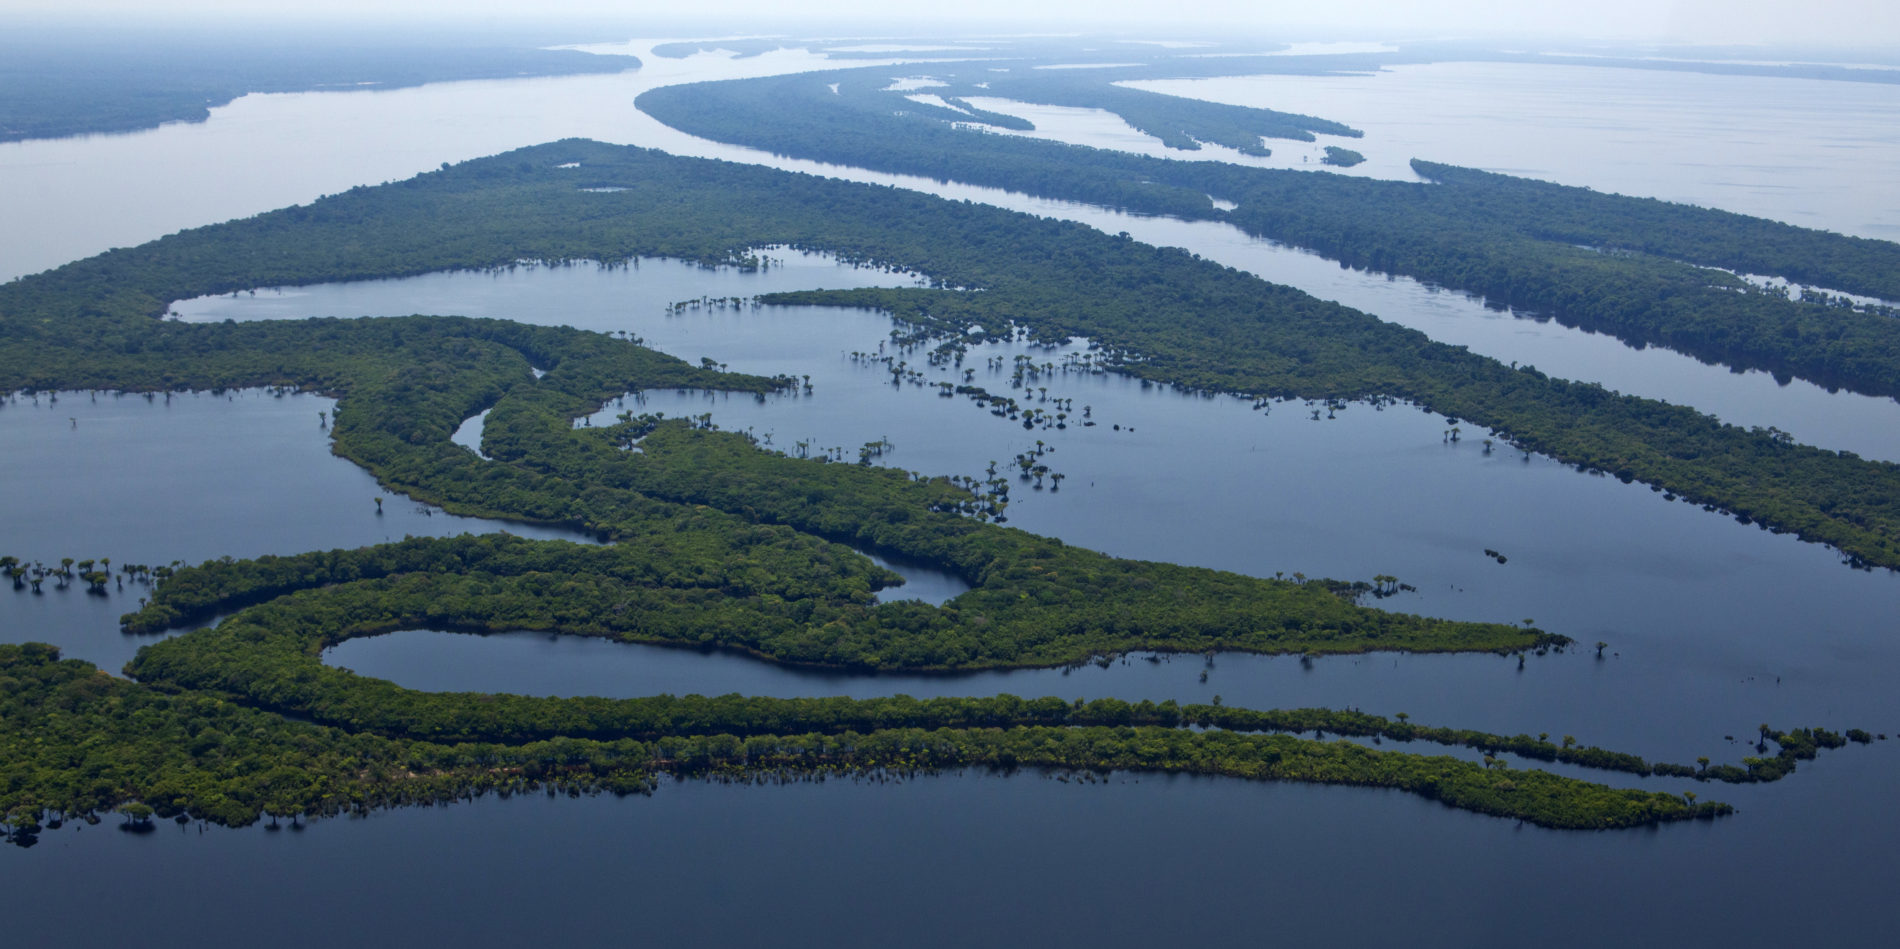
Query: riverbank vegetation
(1342, 157)
(1161, 314)
(269, 654)
(75, 744)
(1641, 269)
(108, 81)
(717, 543)
(1178, 122)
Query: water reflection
(1703, 614)
(1215, 482)
(903, 862)
(461, 120)
(469, 433)
(922, 582)
(613, 299)
(189, 477)
(1617, 702)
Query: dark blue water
(974, 859)
(1614, 702)
(1715, 627)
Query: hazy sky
(1846, 23)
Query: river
(1714, 626)
(1691, 602)
(1811, 152)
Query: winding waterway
(1714, 626)
(450, 121)
(1692, 603)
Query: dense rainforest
(197, 735)
(269, 652)
(1647, 271)
(1166, 315)
(717, 543)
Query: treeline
(773, 593)
(810, 570)
(794, 117)
(270, 655)
(52, 86)
(721, 543)
(1644, 278)
(1233, 337)
(1191, 323)
(75, 744)
(1342, 157)
(1179, 122)
(1634, 268)
(404, 384)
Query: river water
(191, 478)
(1807, 151)
(1691, 602)
(186, 175)
(1714, 627)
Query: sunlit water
(1864, 425)
(64, 199)
(1810, 152)
(459, 120)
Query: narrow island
(1342, 157)
(714, 542)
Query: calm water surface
(69, 198)
(193, 478)
(607, 298)
(230, 166)
(1714, 627)
(1697, 607)
(1806, 151)
(974, 859)
(1866, 426)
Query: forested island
(1647, 271)
(1342, 157)
(717, 543)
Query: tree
(138, 817)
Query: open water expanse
(1714, 627)
(1807, 151)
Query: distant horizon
(1839, 25)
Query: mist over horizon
(1697, 29)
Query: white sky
(1839, 23)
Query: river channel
(1692, 603)
(1713, 627)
